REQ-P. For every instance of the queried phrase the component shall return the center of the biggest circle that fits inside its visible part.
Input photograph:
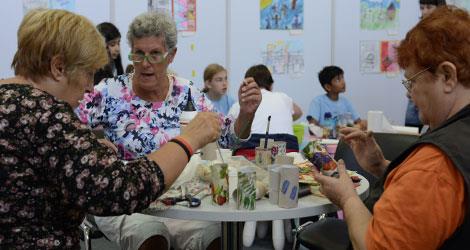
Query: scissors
(188, 200)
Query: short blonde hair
(211, 70)
(45, 33)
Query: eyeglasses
(153, 58)
(408, 82)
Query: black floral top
(53, 171)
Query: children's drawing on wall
(159, 5)
(284, 58)
(369, 57)
(388, 57)
(62, 4)
(184, 13)
(460, 3)
(379, 14)
(32, 4)
(281, 14)
(51, 4)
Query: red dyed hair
(444, 35)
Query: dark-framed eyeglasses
(152, 58)
(408, 82)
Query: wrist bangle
(184, 145)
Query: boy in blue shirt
(332, 80)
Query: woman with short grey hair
(153, 24)
(140, 112)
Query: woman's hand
(204, 128)
(249, 97)
(338, 190)
(365, 148)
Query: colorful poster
(369, 57)
(388, 57)
(51, 4)
(284, 58)
(281, 14)
(379, 14)
(62, 4)
(159, 5)
(184, 13)
(32, 4)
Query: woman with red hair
(424, 203)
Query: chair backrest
(391, 144)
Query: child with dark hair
(428, 6)
(278, 105)
(332, 80)
(112, 38)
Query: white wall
(11, 14)
(245, 40)
(370, 91)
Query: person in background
(428, 6)
(425, 199)
(53, 170)
(411, 118)
(278, 105)
(112, 37)
(332, 81)
(216, 86)
(140, 113)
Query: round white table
(232, 218)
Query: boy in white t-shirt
(278, 105)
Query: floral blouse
(138, 127)
(53, 171)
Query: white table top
(308, 206)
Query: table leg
(278, 234)
(249, 231)
(232, 235)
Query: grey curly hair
(157, 24)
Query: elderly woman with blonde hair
(52, 169)
(140, 112)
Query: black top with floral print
(53, 171)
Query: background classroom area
(355, 35)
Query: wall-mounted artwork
(281, 14)
(380, 14)
(159, 5)
(284, 58)
(369, 57)
(184, 13)
(388, 57)
(51, 4)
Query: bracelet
(184, 145)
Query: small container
(278, 148)
(219, 183)
(274, 178)
(232, 186)
(246, 189)
(263, 156)
(320, 157)
(288, 186)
